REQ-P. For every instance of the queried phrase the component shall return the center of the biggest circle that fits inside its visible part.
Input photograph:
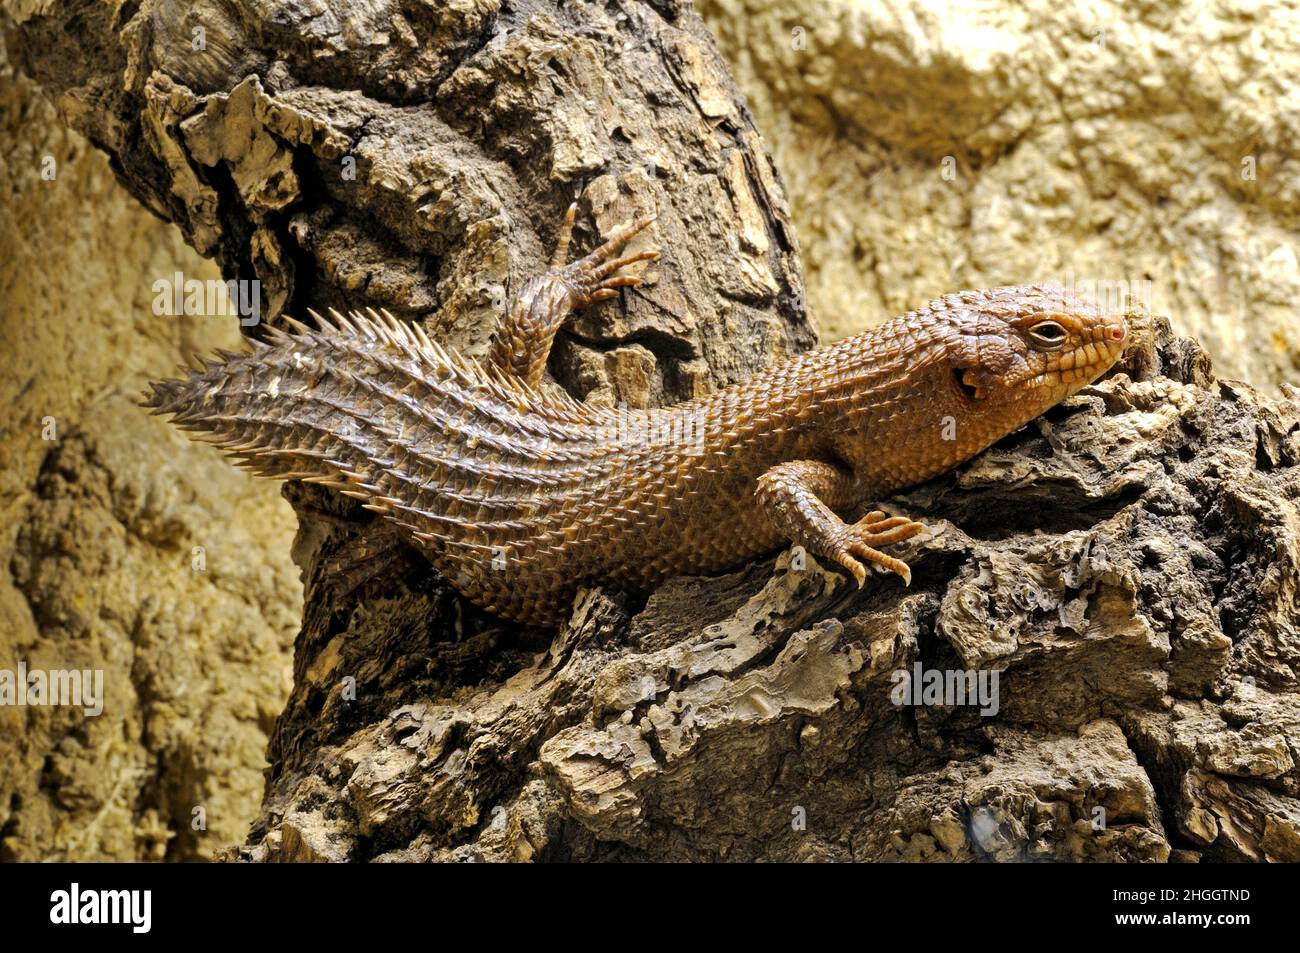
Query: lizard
(519, 496)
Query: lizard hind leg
(522, 343)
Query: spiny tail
(372, 407)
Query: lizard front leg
(522, 343)
(797, 497)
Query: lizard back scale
(520, 497)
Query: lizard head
(1020, 350)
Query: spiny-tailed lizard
(520, 497)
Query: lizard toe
(877, 558)
(855, 568)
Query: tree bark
(1128, 565)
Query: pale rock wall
(98, 529)
(1099, 141)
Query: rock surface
(102, 509)
(1149, 148)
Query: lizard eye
(1048, 334)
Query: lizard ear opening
(968, 382)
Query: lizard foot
(596, 277)
(857, 540)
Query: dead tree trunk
(1128, 566)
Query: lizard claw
(855, 568)
(596, 277)
(875, 529)
(566, 232)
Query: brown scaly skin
(520, 498)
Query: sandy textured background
(98, 528)
(925, 147)
(1104, 141)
